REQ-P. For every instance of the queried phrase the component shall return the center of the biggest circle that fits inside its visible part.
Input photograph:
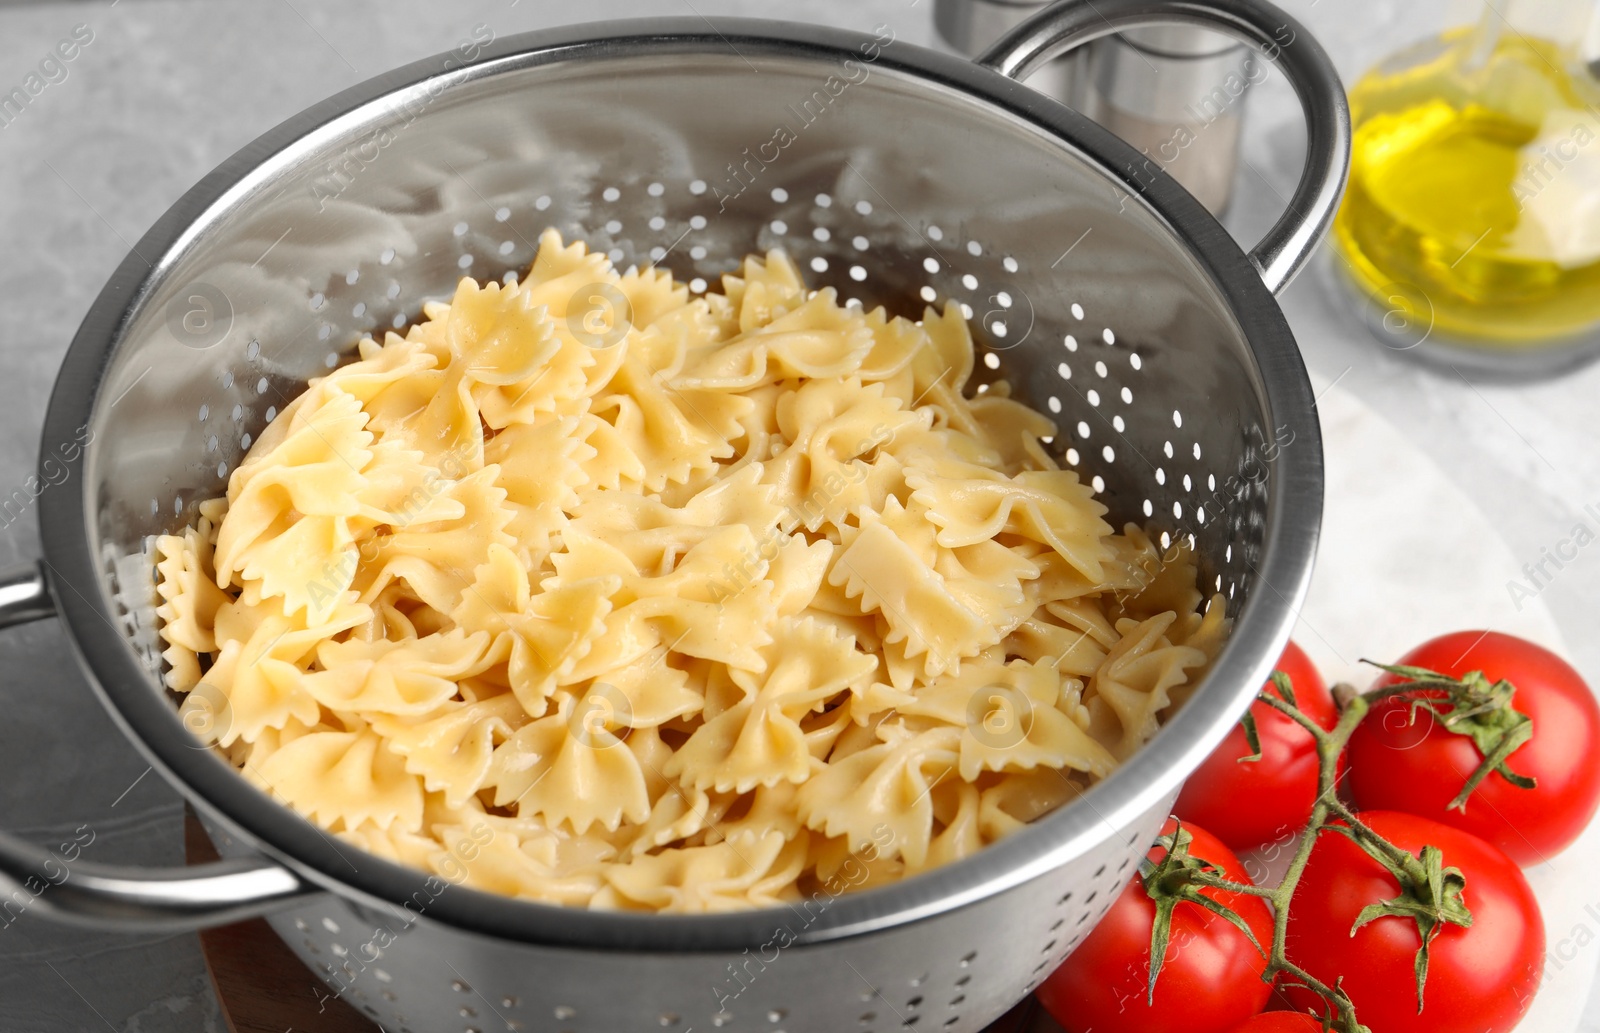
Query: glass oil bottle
(1472, 220)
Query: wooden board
(264, 988)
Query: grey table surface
(168, 88)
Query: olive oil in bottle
(1475, 182)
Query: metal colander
(1105, 295)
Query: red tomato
(1481, 978)
(1419, 768)
(1259, 802)
(1210, 979)
(1281, 1022)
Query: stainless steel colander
(1109, 299)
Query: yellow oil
(1475, 183)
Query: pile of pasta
(671, 603)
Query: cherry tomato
(1210, 979)
(1419, 767)
(1247, 805)
(1481, 978)
(1281, 1022)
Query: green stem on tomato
(1329, 812)
(1330, 744)
(1431, 895)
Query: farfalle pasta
(680, 603)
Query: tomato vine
(1431, 892)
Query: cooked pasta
(682, 603)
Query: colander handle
(1290, 243)
(57, 884)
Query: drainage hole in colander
(868, 1016)
(467, 1011)
(957, 1000)
(952, 1020)
(914, 1002)
(721, 1018)
(565, 1011)
(1047, 948)
(667, 1018)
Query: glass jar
(1472, 220)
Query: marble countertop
(165, 89)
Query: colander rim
(1150, 777)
